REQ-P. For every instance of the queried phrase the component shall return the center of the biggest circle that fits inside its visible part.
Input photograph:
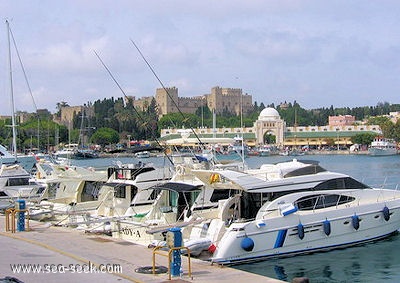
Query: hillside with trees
(115, 120)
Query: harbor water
(373, 262)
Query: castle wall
(220, 99)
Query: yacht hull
(282, 236)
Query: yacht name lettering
(130, 232)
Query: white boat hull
(285, 240)
(382, 151)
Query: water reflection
(373, 262)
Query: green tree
(363, 139)
(59, 106)
(105, 136)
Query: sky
(317, 53)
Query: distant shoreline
(312, 152)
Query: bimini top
(177, 187)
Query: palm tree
(59, 106)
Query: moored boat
(142, 154)
(381, 146)
(287, 209)
(26, 161)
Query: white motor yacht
(16, 183)
(381, 147)
(294, 208)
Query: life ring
(149, 269)
(230, 209)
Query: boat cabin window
(52, 190)
(2, 194)
(120, 192)
(90, 191)
(340, 183)
(250, 204)
(40, 190)
(308, 170)
(17, 182)
(321, 201)
(154, 194)
(220, 194)
(181, 201)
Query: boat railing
(383, 182)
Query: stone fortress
(220, 99)
(339, 130)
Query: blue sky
(319, 53)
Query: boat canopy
(177, 187)
(229, 178)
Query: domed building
(269, 125)
(271, 129)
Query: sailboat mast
(14, 144)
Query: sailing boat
(14, 179)
(7, 158)
(81, 152)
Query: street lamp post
(338, 141)
(129, 141)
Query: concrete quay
(61, 252)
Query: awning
(177, 187)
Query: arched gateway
(269, 123)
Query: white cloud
(316, 52)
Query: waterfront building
(341, 120)
(268, 123)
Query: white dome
(269, 114)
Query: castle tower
(164, 101)
(229, 99)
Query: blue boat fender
(300, 231)
(327, 227)
(247, 244)
(386, 213)
(355, 220)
